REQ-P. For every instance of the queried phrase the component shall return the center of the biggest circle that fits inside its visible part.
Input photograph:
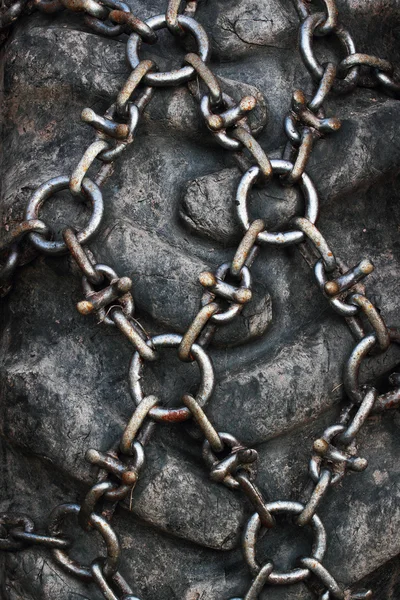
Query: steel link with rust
(108, 296)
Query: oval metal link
(194, 330)
(35, 539)
(91, 499)
(213, 461)
(81, 258)
(259, 582)
(290, 125)
(314, 468)
(102, 28)
(105, 125)
(220, 134)
(14, 521)
(171, 17)
(365, 60)
(48, 189)
(307, 187)
(374, 318)
(255, 150)
(203, 394)
(318, 241)
(133, 120)
(316, 121)
(217, 288)
(234, 115)
(307, 52)
(204, 423)
(346, 437)
(134, 24)
(325, 86)
(341, 461)
(73, 567)
(388, 83)
(252, 531)
(130, 85)
(324, 576)
(256, 498)
(246, 246)
(127, 471)
(49, 6)
(90, 155)
(318, 494)
(12, 13)
(122, 297)
(303, 8)
(303, 155)
(91, 7)
(207, 76)
(331, 21)
(117, 579)
(352, 367)
(344, 309)
(19, 230)
(177, 76)
(125, 325)
(135, 423)
(172, 14)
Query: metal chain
(225, 291)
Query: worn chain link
(225, 291)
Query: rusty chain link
(225, 291)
